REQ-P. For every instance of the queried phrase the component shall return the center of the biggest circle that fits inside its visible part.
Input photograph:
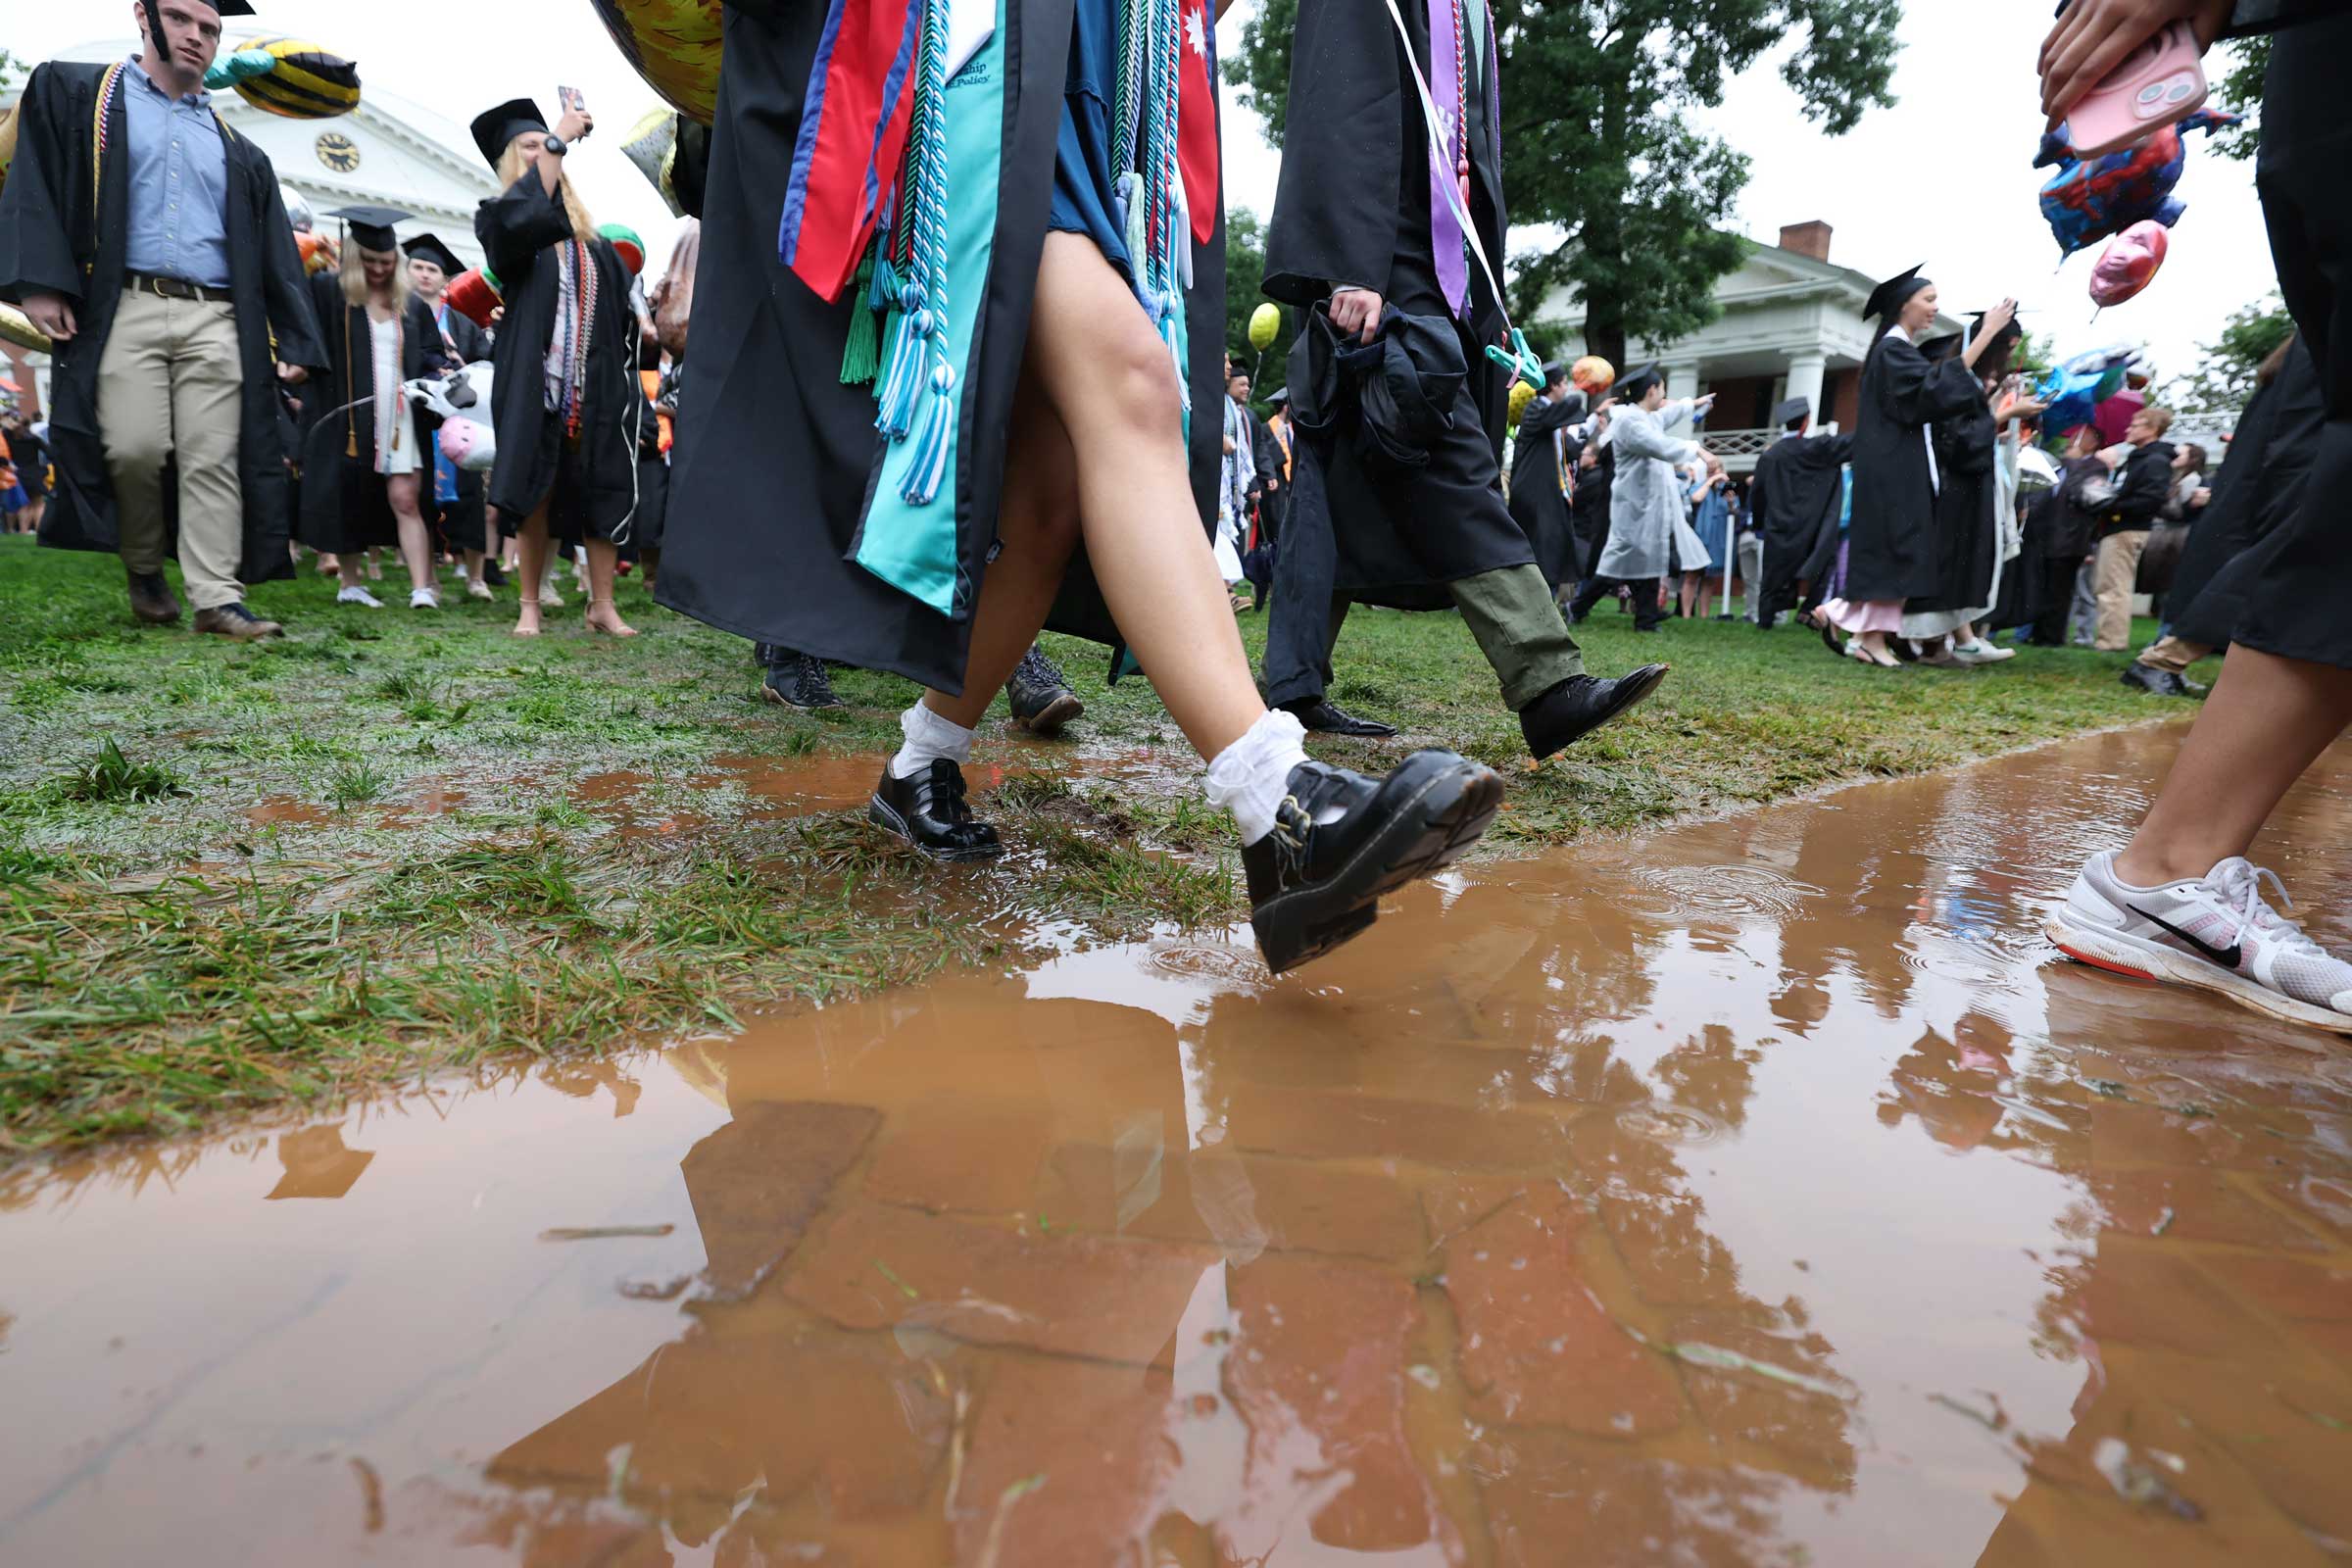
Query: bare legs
(534, 571)
(1038, 523)
(2268, 719)
(415, 543)
(1105, 374)
(604, 560)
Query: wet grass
(429, 880)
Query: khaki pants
(2118, 578)
(2173, 654)
(170, 382)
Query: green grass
(240, 878)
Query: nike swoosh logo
(2229, 958)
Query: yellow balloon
(1521, 396)
(1265, 323)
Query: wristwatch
(556, 144)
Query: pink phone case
(2163, 81)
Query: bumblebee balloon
(674, 44)
(289, 76)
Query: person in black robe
(1588, 507)
(569, 409)
(2060, 530)
(2182, 902)
(64, 257)
(1541, 462)
(460, 495)
(365, 477)
(1968, 535)
(1070, 493)
(1363, 242)
(1891, 550)
(1797, 497)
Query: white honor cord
(1446, 183)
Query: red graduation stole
(853, 125)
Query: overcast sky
(1943, 178)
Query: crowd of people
(956, 378)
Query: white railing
(1737, 443)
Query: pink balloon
(2129, 263)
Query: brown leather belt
(174, 288)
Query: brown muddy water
(1761, 1192)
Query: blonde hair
(355, 275)
(510, 167)
(2159, 417)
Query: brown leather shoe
(151, 598)
(235, 620)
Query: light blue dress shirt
(179, 183)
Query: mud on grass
(233, 877)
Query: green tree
(12, 70)
(1594, 94)
(2224, 380)
(2241, 91)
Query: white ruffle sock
(929, 737)
(1250, 778)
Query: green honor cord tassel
(862, 356)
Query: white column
(1681, 378)
(1805, 371)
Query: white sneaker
(1982, 652)
(357, 595)
(547, 593)
(2213, 932)
(425, 599)
(475, 588)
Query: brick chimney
(1808, 239)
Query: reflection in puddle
(1757, 1192)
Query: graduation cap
(429, 248)
(1555, 370)
(1891, 296)
(1944, 347)
(1279, 396)
(371, 226)
(1635, 385)
(1789, 414)
(2008, 334)
(495, 128)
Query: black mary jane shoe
(1039, 695)
(1323, 717)
(1580, 705)
(1314, 884)
(928, 811)
(2156, 683)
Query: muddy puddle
(1758, 1193)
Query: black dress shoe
(151, 598)
(928, 811)
(1041, 698)
(1324, 716)
(797, 680)
(763, 653)
(493, 573)
(1315, 884)
(1580, 705)
(2155, 682)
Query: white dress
(395, 421)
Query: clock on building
(338, 152)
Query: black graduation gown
(1590, 511)
(344, 502)
(1891, 549)
(1966, 530)
(2237, 534)
(1352, 208)
(519, 231)
(774, 456)
(48, 244)
(1539, 505)
(1799, 485)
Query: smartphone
(2163, 81)
(575, 101)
